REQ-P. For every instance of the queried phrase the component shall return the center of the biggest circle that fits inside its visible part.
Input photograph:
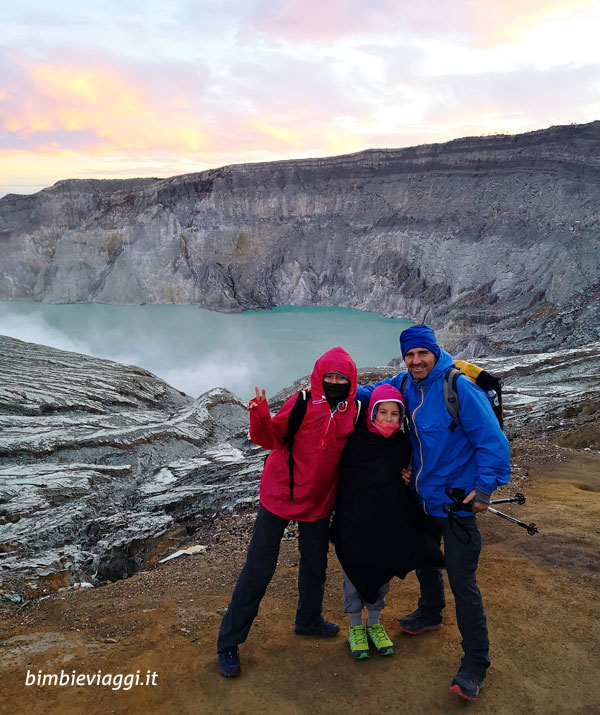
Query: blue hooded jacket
(475, 455)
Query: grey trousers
(353, 602)
(462, 545)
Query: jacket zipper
(420, 446)
(327, 428)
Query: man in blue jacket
(473, 457)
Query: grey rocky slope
(102, 464)
(100, 461)
(494, 240)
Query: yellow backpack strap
(468, 369)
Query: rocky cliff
(494, 240)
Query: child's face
(388, 413)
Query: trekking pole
(457, 495)
(518, 499)
(531, 528)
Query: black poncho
(378, 529)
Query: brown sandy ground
(541, 594)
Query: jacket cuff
(261, 408)
(482, 496)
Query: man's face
(419, 362)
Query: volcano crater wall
(493, 240)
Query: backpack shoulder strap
(359, 405)
(403, 386)
(294, 421)
(296, 416)
(451, 396)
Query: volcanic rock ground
(541, 594)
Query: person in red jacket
(304, 492)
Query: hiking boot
(418, 622)
(380, 639)
(325, 629)
(229, 662)
(359, 645)
(467, 684)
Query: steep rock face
(494, 240)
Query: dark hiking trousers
(461, 566)
(263, 551)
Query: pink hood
(384, 393)
(334, 360)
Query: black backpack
(294, 421)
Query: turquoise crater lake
(194, 349)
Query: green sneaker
(380, 639)
(359, 645)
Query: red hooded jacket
(317, 448)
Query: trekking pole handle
(457, 506)
(457, 496)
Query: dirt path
(541, 594)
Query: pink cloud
(312, 20)
(75, 101)
(469, 22)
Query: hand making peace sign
(260, 397)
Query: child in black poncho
(378, 530)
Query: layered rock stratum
(100, 461)
(493, 240)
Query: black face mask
(336, 392)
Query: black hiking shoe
(419, 622)
(229, 663)
(325, 629)
(467, 684)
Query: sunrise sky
(121, 88)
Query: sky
(124, 88)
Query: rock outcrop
(99, 462)
(494, 240)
